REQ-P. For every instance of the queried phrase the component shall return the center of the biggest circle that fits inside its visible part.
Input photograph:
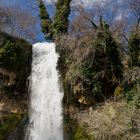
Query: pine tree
(46, 22)
(134, 49)
(61, 17)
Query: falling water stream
(45, 116)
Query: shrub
(134, 49)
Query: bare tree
(134, 6)
(17, 22)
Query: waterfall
(45, 109)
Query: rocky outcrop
(15, 64)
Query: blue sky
(32, 7)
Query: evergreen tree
(46, 22)
(61, 17)
(112, 51)
(134, 49)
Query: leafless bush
(113, 121)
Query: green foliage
(46, 22)
(15, 56)
(61, 17)
(4, 130)
(129, 95)
(8, 124)
(60, 24)
(10, 55)
(43, 13)
(133, 95)
(81, 134)
(112, 52)
(106, 65)
(134, 49)
(96, 66)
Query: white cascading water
(46, 110)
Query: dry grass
(113, 121)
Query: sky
(90, 4)
(32, 7)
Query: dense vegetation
(8, 124)
(60, 24)
(15, 64)
(91, 59)
(61, 17)
(97, 61)
(46, 22)
(134, 48)
(15, 60)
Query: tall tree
(46, 22)
(112, 50)
(61, 17)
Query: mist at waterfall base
(46, 119)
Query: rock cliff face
(15, 64)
